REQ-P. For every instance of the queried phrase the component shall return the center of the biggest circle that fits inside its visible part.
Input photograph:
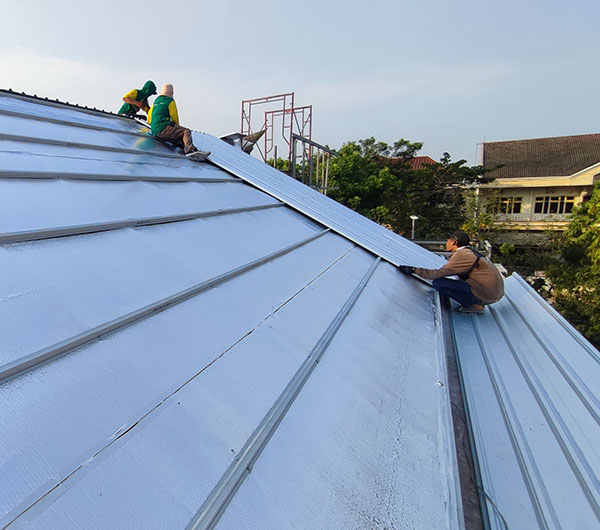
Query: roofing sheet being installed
(178, 348)
(350, 224)
(532, 383)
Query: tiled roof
(419, 162)
(542, 157)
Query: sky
(448, 73)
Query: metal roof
(339, 218)
(166, 328)
(532, 383)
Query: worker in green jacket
(137, 99)
(164, 121)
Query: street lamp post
(414, 219)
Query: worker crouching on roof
(164, 121)
(480, 282)
(138, 99)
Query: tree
(576, 278)
(377, 180)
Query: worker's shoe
(198, 155)
(471, 309)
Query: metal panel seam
(560, 319)
(565, 441)
(471, 428)
(63, 105)
(77, 230)
(78, 145)
(508, 413)
(33, 360)
(217, 501)
(446, 419)
(56, 121)
(568, 373)
(51, 175)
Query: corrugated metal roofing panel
(108, 275)
(148, 408)
(137, 362)
(21, 160)
(531, 383)
(67, 203)
(334, 455)
(28, 107)
(102, 389)
(344, 221)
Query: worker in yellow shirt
(137, 99)
(164, 121)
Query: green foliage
(376, 180)
(283, 164)
(506, 249)
(576, 277)
(532, 254)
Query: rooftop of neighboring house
(542, 157)
(419, 162)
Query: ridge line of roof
(59, 104)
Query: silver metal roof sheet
(161, 321)
(344, 221)
(532, 385)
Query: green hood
(143, 94)
(149, 89)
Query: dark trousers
(457, 290)
(178, 135)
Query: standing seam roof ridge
(107, 177)
(125, 429)
(69, 123)
(221, 495)
(35, 359)
(568, 373)
(566, 325)
(78, 230)
(58, 103)
(507, 411)
(562, 435)
(79, 145)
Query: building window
(504, 205)
(554, 205)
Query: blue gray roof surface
(532, 383)
(189, 345)
(179, 348)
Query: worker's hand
(406, 269)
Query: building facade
(539, 181)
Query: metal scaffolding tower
(294, 121)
